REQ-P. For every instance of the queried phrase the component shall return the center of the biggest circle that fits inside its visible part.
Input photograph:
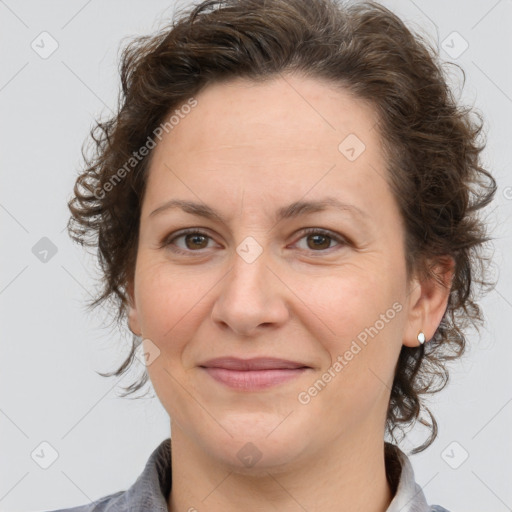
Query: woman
(285, 211)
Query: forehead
(289, 113)
(270, 140)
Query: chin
(258, 448)
(257, 458)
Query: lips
(254, 364)
(252, 374)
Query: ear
(427, 300)
(133, 316)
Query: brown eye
(196, 241)
(318, 240)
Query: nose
(252, 297)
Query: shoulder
(109, 503)
(149, 492)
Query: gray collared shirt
(153, 486)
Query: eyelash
(168, 241)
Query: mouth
(253, 374)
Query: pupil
(195, 238)
(316, 237)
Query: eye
(318, 240)
(194, 240)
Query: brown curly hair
(432, 146)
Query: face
(265, 276)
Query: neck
(349, 476)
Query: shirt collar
(151, 489)
(409, 496)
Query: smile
(253, 380)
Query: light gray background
(50, 347)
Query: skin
(247, 150)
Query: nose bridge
(249, 274)
(250, 293)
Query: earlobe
(428, 302)
(132, 314)
(133, 323)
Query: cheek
(171, 309)
(364, 314)
(354, 301)
(367, 321)
(169, 300)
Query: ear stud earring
(421, 337)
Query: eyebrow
(292, 210)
